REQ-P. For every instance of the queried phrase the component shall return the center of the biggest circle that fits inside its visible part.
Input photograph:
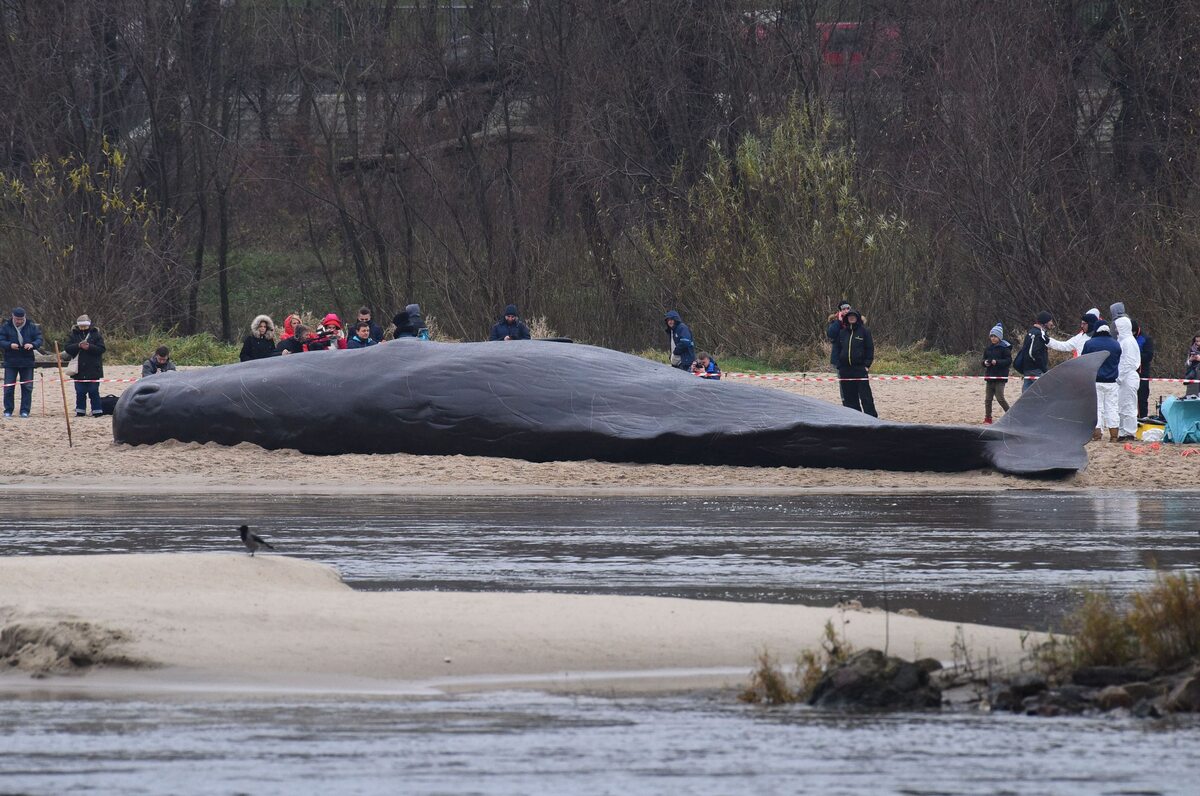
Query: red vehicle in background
(857, 50)
(849, 51)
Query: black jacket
(516, 331)
(1002, 353)
(255, 347)
(29, 333)
(91, 360)
(291, 345)
(853, 349)
(1034, 355)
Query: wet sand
(227, 621)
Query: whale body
(543, 401)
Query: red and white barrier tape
(724, 375)
(808, 379)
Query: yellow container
(1144, 427)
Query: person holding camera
(20, 338)
(997, 358)
(852, 353)
(1033, 360)
(837, 322)
(86, 345)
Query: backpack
(1021, 359)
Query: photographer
(837, 322)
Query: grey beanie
(998, 331)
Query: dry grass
(769, 685)
(1101, 635)
(1160, 626)
(1166, 620)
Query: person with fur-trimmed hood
(853, 353)
(260, 343)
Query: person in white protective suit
(1128, 379)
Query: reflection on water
(538, 744)
(1018, 559)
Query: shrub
(768, 684)
(1101, 635)
(197, 349)
(1166, 619)
(766, 242)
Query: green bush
(197, 349)
(773, 235)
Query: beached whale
(550, 402)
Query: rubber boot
(1112, 434)
(1097, 435)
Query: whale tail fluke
(1048, 428)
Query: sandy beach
(271, 622)
(40, 457)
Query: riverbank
(41, 458)
(271, 622)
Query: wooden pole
(62, 383)
(42, 390)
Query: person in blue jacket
(852, 354)
(706, 367)
(363, 337)
(1107, 396)
(682, 347)
(20, 338)
(510, 327)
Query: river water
(1018, 559)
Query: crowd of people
(1122, 383)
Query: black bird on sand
(252, 540)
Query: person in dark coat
(1107, 407)
(1146, 344)
(260, 343)
(997, 358)
(409, 323)
(510, 327)
(681, 346)
(364, 314)
(853, 353)
(20, 338)
(1033, 360)
(159, 362)
(835, 323)
(87, 344)
(297, 343)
